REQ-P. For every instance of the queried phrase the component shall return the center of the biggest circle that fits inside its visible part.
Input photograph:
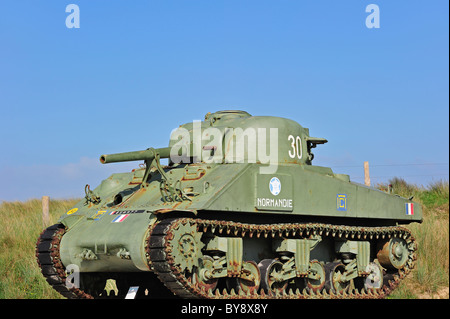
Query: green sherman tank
(239, 211)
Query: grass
(21, 224)
(430, 276)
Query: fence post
(45, 211)
(366, 174)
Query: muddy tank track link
(48, 259)
(161, 259)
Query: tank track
(162, 261)
(48, 259)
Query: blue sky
(135, 70)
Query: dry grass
(430, 277)
(20, 226)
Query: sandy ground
(442, 293)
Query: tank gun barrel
(148, 154)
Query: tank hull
(235, 192)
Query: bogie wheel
(375, 278)
(202, 277)
(315, 280)
(335, 279)
(249, 280)
(271, 276)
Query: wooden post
(45, 211)
(366, 174)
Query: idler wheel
(272, 276)
(393, 253)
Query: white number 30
(296, 144)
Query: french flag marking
(119, 219)
(409, 209)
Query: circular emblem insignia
(275, 186)
(73, 210)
